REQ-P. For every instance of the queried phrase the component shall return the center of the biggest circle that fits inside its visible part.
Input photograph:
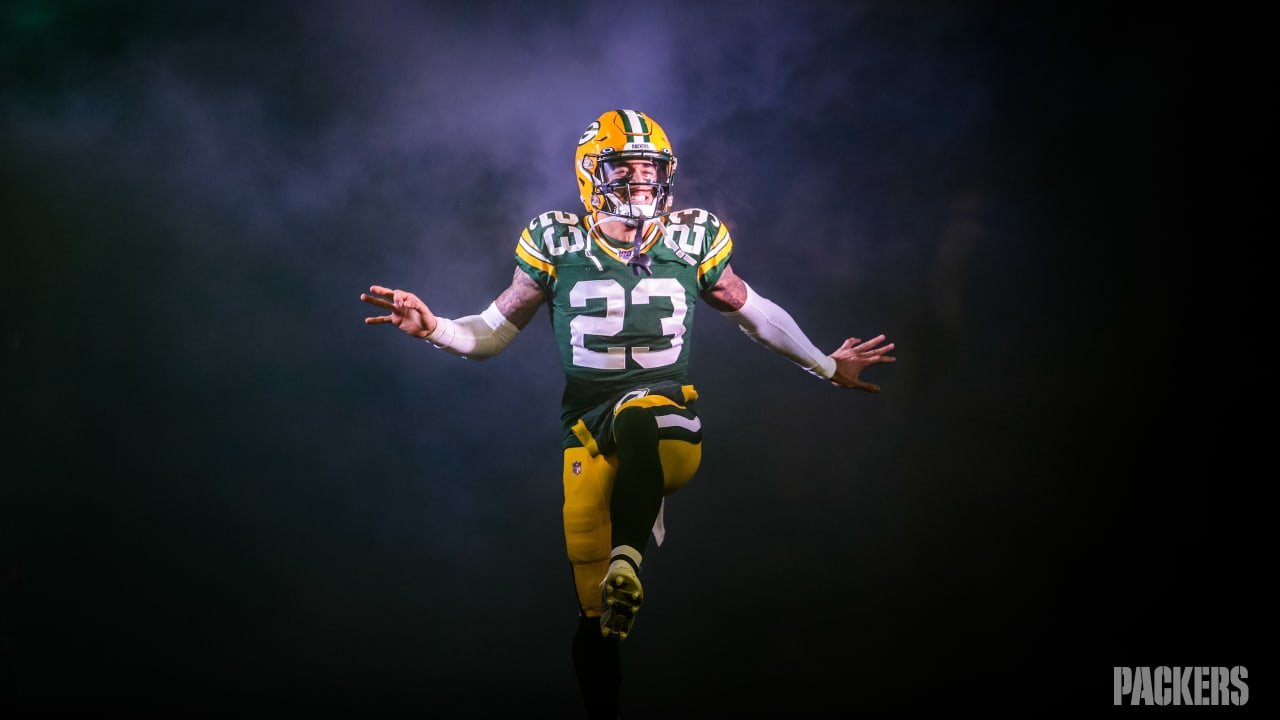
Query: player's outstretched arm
(474, 336)
(773, 327)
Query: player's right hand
(405, 310)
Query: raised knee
(634, 421)
(680, 461)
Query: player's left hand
(854, 356)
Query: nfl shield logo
(625, 255)
(577, 467)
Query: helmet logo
(589, 134)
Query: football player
(622, 282)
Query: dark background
(221, 491)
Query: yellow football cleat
(620, 595)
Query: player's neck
(617, 232)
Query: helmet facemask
(633, 186)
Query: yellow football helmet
(608, 183)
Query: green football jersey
(616, 330)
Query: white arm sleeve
(771, 326)
(474, 336)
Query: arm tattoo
(729, 292)
(520, 302)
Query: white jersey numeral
(611, 323)
(672, 325)
(559, 245)
(690, 242)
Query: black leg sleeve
(637, 488)
(598, 664)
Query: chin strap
(639, 262)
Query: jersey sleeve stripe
(526, 242)
(722, 237)
(719, 254)
(526, 251)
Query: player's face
(633, 171)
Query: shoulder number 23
(614, 295)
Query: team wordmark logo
(1180, 685)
